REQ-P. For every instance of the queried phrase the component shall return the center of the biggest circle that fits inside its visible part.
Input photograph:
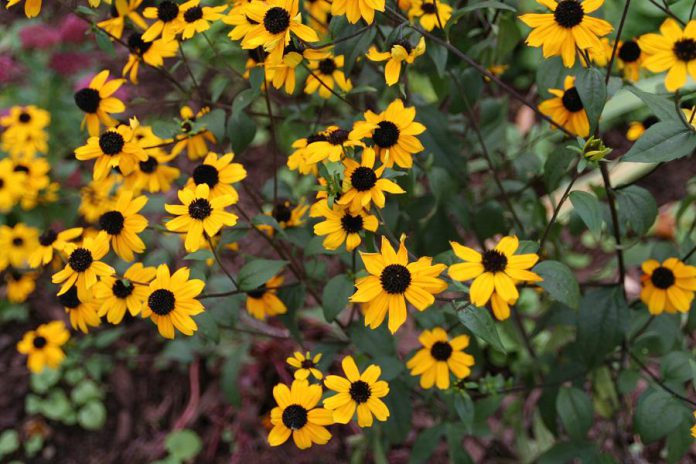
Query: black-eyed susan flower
(171, 301)
(238, 18)
(497, 270)
(276, 21)
(638, 128)
(151, 53)
(168, 23)
(20, 285)
(668, 286)
(282, 75)
(123, 224)
(440, 356)
(305, 365)
(393, 133)
(357, 391)
(116, 147)
(153, 174)
(32, 8)
(83, 266)
(401, 52)
(340, 226)
(36, 172)
(297, 161)
(326, 72)
(630, 59)
(11, 185)
(17, 243)
(393, 281)
(353, 10)
(567, 29)
(120, 10)
(43, 346)
(330, 146)
(672, 50)
(565, 108)
(98, 103)
(81, 309)
(430, 14)
(25, 120)
(263, 302)
(197, 18)
(199, 214)
(194, 142)
(116, 294)
(218, 173)
(286, 215)
(49, 242)
(363, 184)
(297, 415)
(95, 198)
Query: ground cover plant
(352, 230)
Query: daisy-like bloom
(11, 185)
(495, 271)
(32, 8)
(319, 12)
(219, 173)
(83, 264)
(275, 21)
(325, 71)
(20, 286)
(168, 23)
(392, 281)
(151, 53)
(565, 108)
(567, 28)
(630, 59)
(50, 241)
(401, 52)
(427, 13)
(440, 356)
(196, 18)
(263, 302)
(25, 121)
(285, 215)
(171, 301)
(305, 365)
(282, 75)
(98, 103)
(673, 50)
(120, 10)
(357, 391)
(17, 244)
(363, 185)
(153, 174)
(43, 346)
(353, 10)
(95, 198)
(667, 286)
(193, 142)
(340, 225)
(199, 214)
(297, 415)
(36, 179)
(116, 147)
(393, 133)
(638, 128)
(331, 145)
(123, 224)
(297, 161)
(81, 308)
(115, 295)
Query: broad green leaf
(465, 410)
(257, 272)
(92, 415)
(183, 444)
(481, 324)
(336, 294)
(656, 415)
(588, 208)
(663, 141)
(400, 405)
(438, 54)
(663, 108)
(575, 411)
(200, 255)
(229, 378)
(215, 122)
(637, 208)
(593, 93)
(9, 442)
(425, 444)
(560, 282)
(241, 130)
(602, 321)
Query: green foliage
(560, 282)
(255, 273)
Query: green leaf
(9, 442)
(215, 122)
(663, 141)
(655, 415)
(465, 410)
(588, 208)
(104, 42)
(481, 324)
(257, 272)
(560, 282)
(183, 444)
(336, 294)
(663, 108)
(400, 405)
(575, 411)
(487, 4)
(241, 130)
(200, 255)
(86, 391)
(637, 208)
(593, 93)
(602, 321)
(92, 415)
(229, 379)
(426, 443)
(438, 54)
(42, 381)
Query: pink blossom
(69, 63)
(73, 30)
(39, 36)
(9, 69)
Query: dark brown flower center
(206, 174)
(48, 237)
(18, 241)
(24, 117)
(363, 178)
(395, 279)
(571, 100)
(122, 289)
(685, 49)
(39, 342)
(200, 209)
(21, 168)
(569, 13)
(111, 143)
(276, 20)
(294, 417)
(404, 43)
(149, 165)
(662, 278)
(257, 293)
(87, 100)
(308, 364)
(161, 301)
(441, 351)
(69, 299)
(327, 66)
(386, 135)
(629, 51)
(338, 136)
(352, 224)
(360, 391)
(282, 212)
(111, 222)
(80, 260)
(494, 261)
(137, 45)
(316, 138)
(428, 8)
(193, 14)
(167, 11)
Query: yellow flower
(362, 184)
(114, 148)
(282, 74)
(392, 281)
(356, 391)
(150, 53)
(152, 175)
(285, 215)
(194, 143)
(98, 103)
(428, 12)
(36, 179)
(440, 356)
(496, 270)
(81, 307)
(264, 302)
(197, 18)
(325, 71)
(567, 28)
(95, 198)
(115, 295)
(305, 365)
(297, 415)
(669, 286)
(171, 301)
(20, 286)
(83, 265)
(393, 133)
(630, 59)
(340, 226)
(24, 133)
(219, 173)
(566, 108)
(17, 244)
(638, 128)
(329, 144)
(43, 346)
(199, 214)
(356, 9)
(297, 161)
(32, 8)
(168, 23)
(123, 224)
(401, 52)
(123, 9)
(49, 241)
(11, 185)
(673, 50)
